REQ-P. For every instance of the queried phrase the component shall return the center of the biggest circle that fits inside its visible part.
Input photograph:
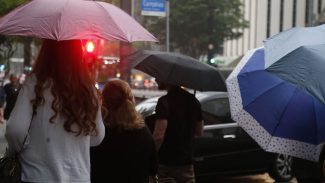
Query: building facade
(269, 17)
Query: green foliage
(8, 5)
(7, 47)
(196, 23)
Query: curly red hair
(61, 68)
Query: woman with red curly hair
(67, 120)
(127, 154)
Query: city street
(232, 88)
(262, 178)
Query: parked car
(225, 148)
(307, 171)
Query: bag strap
(30, 124)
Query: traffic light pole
(167, 25)
(211, 46)
(125, 48)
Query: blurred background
(216, 32)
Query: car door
(224, 147)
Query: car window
(146, 108)
(216, 111)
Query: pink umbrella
(73, 19)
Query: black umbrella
(178, 69)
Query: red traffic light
(90, 47)
(90, 50)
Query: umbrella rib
(266, 91)
(101, 6)
(280, 119)
(59, 23)
(282, 112)
(316, 121)
(251, 71)
(170, 71)
(15, 12)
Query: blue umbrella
(304, 67)
(297, 56)
(275, 107)
(285, 42)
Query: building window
(294, 13)
(281, 15)
(268, 19)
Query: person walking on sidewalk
(127, 153)
(67, 120)
(11, 90)
(2, 103)
(178, 121)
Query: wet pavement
(261, 178)
(3, 143)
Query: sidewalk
(3, 143)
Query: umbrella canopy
(297, 55)
(73, 19)
(304, 67)
(282, 44)
(279, 114)
(178, 69)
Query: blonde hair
(119, 106)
